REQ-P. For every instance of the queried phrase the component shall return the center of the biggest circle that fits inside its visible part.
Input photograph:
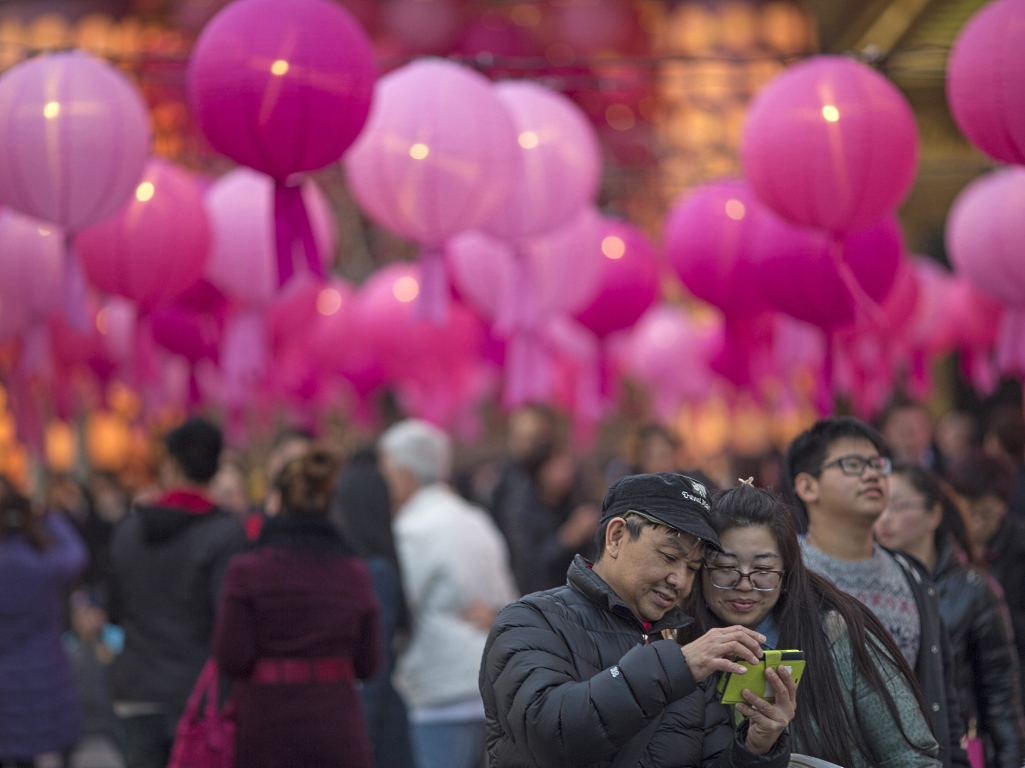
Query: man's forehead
(681, 540)
(845, 446)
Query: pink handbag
(205, 738)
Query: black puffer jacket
(976, 616)
(569, 677)
(168, 568)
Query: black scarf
(310, 532)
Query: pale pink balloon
(75, 135)
(31, 264)
(629, 283)
(438, 155)
(985, 233)
(830, 143)
(561, 167)
(545, 276)
(986, 80)
(932, 326)
(243, 259)
(157, 246)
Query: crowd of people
(403, 607)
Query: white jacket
(452, 555)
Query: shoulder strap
(206, 681)
(631, 752)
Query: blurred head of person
(18, 518)
(193, 454)
(654, 448)
(290, 443)
(413, 454)
(306, 484)
(984, 485)
(228, 488)
(956, 435)
(1004, 438)
(532, 432)
(907, 428)
(921, 518)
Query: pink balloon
(340, 344)
(629, 282)
(985, 233)
(283, 86)
(932, 326)
(438, 155)
(31, 264)
(830, 143)
(157, 246)
(561, 162)
(75, 134)
(243, 262)
(986, 80)
(563, 271)
(292, 314)
(812, 279)
(652, 351)
(712, 239)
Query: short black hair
(1006, 424)
(196, 446)
(978, 475)
(808, 450)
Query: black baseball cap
(674, 500)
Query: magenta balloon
(439, 153)
(561, 162)
(830, 143)
(986, 80)
(801, 276)
(32, 263)
(986, 232)
(243, 259)
(156, 247)
(75, 138)
(283, 86)
(187, 332)
(566, 268)
(339, 343)
(629, 280)
(711, 238)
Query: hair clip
(750, 481)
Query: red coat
(300, 595)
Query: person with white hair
(456, 576)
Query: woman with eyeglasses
(922, 520)
(859, 702)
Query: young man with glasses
(581, 676)
(838, 476)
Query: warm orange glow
(406, 289)
(61, 446)
(103, 321)
(329, 301)
(279, 67)
(620, 117)
(735, 209)
(831, 113)
(528, 140)
(613, 247)
(419, 151)
(51, 110)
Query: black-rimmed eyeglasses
(855, 465)
(730, 578)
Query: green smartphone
(731, 684)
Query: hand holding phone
(732, 684)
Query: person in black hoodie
(168, 560)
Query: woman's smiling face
(748, 550)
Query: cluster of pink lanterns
(522, 288)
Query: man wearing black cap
(580, 675)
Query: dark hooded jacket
(570, 676)
(980, 630)
(168, 563)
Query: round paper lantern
(561, 162)
(31, 264)
(824, 283)
(629, 282)
(157, 246)
(283, 86)
(240, 206)
(438, 157)
(76, 137)
(985, 233)
(712, 235)
(830, 143)
(523, 287)
(986, 80)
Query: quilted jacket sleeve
(529, 680)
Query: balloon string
(292, 226)
(824, 390)
(862, 300)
